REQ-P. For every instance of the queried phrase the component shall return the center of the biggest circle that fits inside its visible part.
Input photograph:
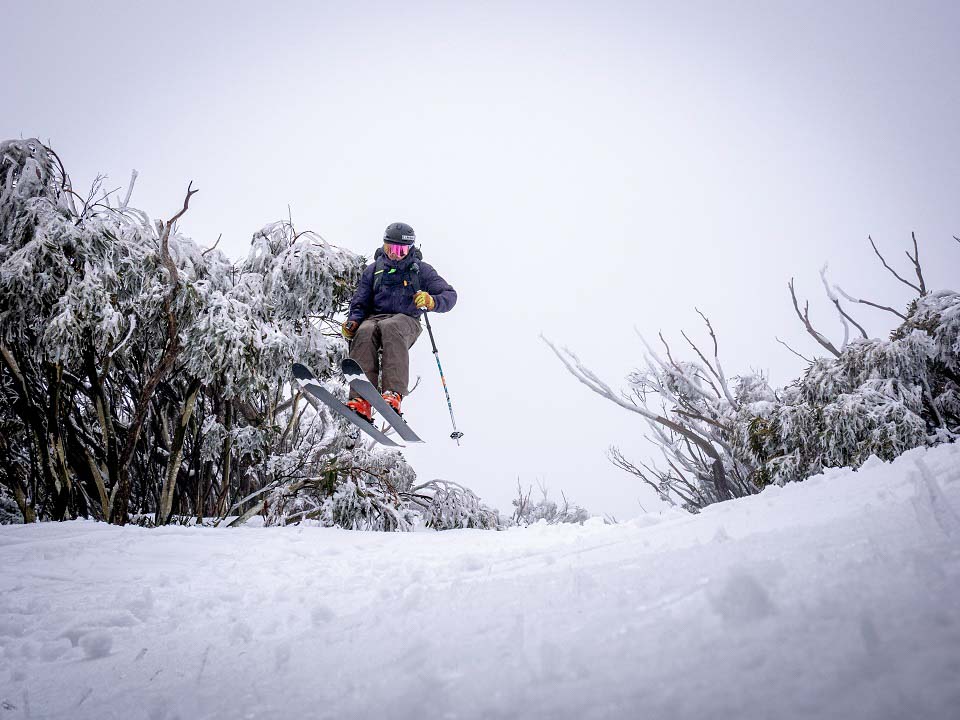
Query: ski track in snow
(835, 598)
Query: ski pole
(456, 434)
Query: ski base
(310, 383)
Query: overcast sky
(586, 170)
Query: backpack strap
(378, 272)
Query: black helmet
(399, 234)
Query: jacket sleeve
(362, 302)
(440, 289)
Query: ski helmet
(399, 233)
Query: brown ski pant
(393, 335)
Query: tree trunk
(27, 509)
(36, 422)
(223, 497)
(176, 454)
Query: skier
(384, 317)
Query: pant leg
(365, 348)
(398, 333)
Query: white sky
(580, 169)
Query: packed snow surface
(838, 597)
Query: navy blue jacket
(397, 286)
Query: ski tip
(349, 366)
(302, 372)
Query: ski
(366, 389)
(310, 383)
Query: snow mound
(836, 597)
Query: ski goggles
(398, 250)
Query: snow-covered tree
(142, 376)
(877, 397)
(722, 437)
(140, 373)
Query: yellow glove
(349, 329)
(424, 301)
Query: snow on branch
(844, 317)
(805, 319)
(589, 378)
(869, 303)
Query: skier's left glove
(424, 301)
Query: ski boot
(362, 408)
(393, 400)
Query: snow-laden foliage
(357, 507)
(879, 397)
(359, 488)
(526, 511)
(9, 510)
(726, 437)
(140, 373)
(448, 506)
(380, 494)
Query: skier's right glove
(349, 329)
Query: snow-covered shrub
(355, 506)
(358, 488)
(878, 397)
(378, 494)
(727, 437)
(527, 512)
(448, 506)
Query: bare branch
(126, 199)
(165, 242)
(676, 367)
(667, 348)
(802, 357)
(894, 272)
(186, 204)
(590, 379)
(212, 247)
(617, 458)
(844, 317)
(716, 358)
(805, 319)
(870, 304)
(843, 313)
(693, 346)
(830, 295)
(915, 259)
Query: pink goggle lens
(398, 250)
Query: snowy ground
(839, 597)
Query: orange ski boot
(393, 400)
(361, 407)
